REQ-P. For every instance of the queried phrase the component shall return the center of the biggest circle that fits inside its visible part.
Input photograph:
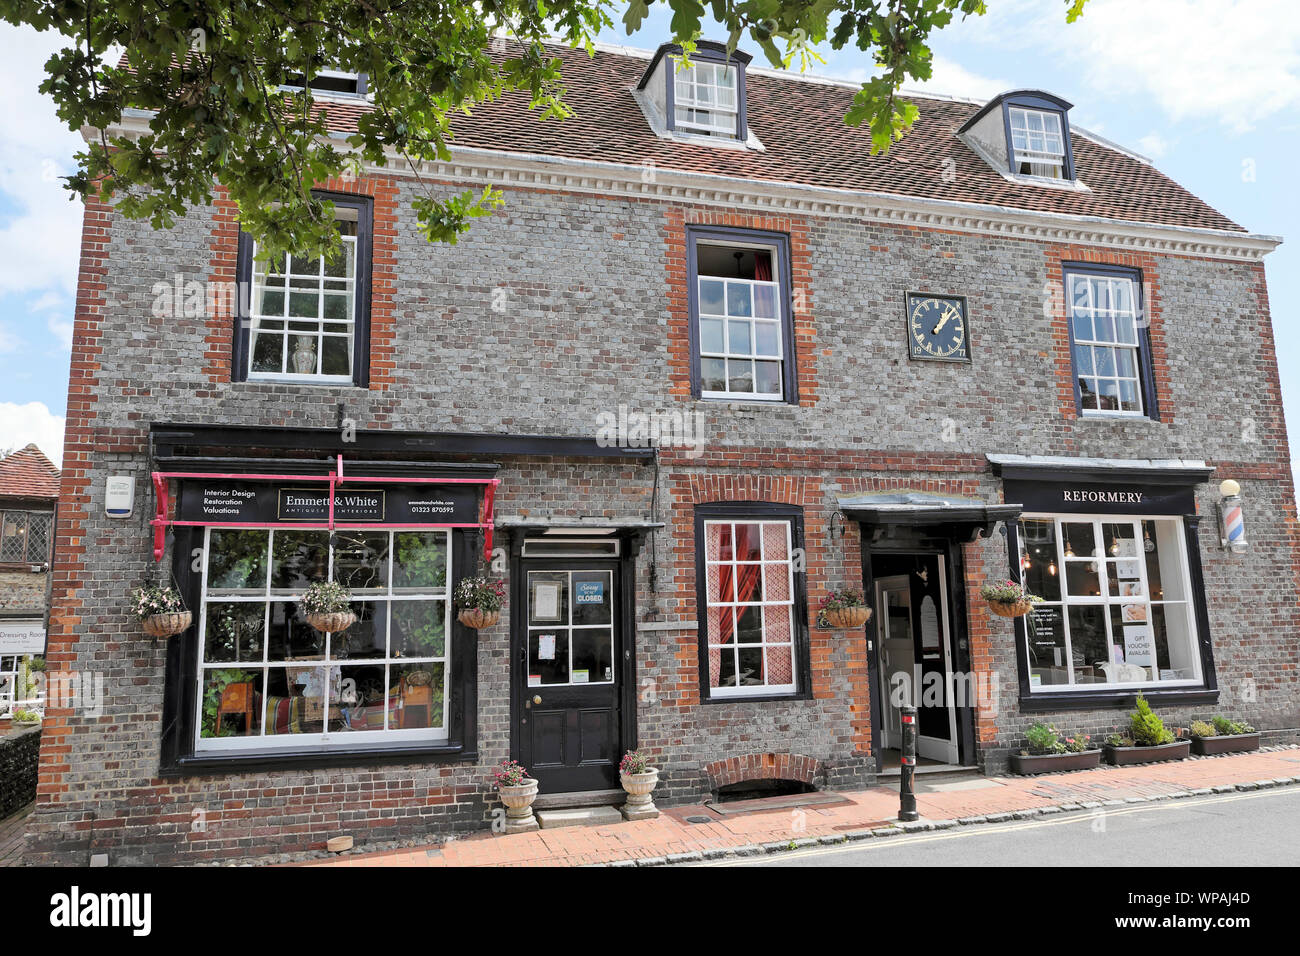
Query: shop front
(1112, 548)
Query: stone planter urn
(639, 788)
(518, 802)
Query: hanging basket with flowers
(160, 610)
(327, 607)
(845, 609)
(1009, 599)
(479, 600)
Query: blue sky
(1209, 90)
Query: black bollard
(907, 766)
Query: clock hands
(947, 314)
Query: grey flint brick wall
(584, 325)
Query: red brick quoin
(723, 773)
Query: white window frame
(326, 741)
(764, 689)
(690, 79)
(1051, 138)
(1094, 345)
(1107, 600)
(345, 285)
(727, 355)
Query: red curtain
(745, 585)
(763, 266)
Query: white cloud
(40, 239)
(1235, 61)
(1153, 145)
(953, 79)
(33, 422)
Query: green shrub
(1146, 728)
(1201, 729)
(1229, 728)
(1044, 739)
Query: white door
(897, 655)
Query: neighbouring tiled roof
(27, 473)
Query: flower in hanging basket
(844, 609)
(1009, 599)
(479, 600)
(160, 610)
(326, 606)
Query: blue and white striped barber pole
(1234, 524)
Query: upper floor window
(1109, 344)
(703, 98)
(706, 98)
(25, 536)
(1024, 133)
(741, 324)
(308, 317)
(1037, 142)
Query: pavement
(12, 836)
(845, 817)
(1255, 828)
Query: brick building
(1007, 348)
(29, 492)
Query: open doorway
(913, 657)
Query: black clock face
(936, 328)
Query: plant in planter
(1009, 599)
(517, 791)
(1223, 736)
(479, 600)
(845, 609)
(1050, 751)
(26, 718)
(327, 607)
(638, 779)
(1148, 740)
(160, 609)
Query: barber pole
(1232, 519)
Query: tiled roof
(801, 126)
(27, 473)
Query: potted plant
(1009, 599)
(845, 609)
(479, 600)
(517, 791)
(327, 607)
(1050, 751)
(160, 610)
(639, 780)
(26, 718)
(1223, 736)
(1147, 741)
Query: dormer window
(705, 97)
(1037, 143)
(702, 98)
(1024, 134)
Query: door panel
(566, 679)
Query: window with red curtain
(749, 593)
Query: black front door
(566, 651)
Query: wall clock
(937, 327)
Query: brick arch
(769, 766)
(776, 489)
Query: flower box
(1124, 756)
(1055, 763)
(1224, 744)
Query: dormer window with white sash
(1037, 142)
(706, 98)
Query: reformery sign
(1100, 498)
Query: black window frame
(780, 241)
(1044, 103)
(762, 511)
(1145, 365)
(364, 207)
(27, 560)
